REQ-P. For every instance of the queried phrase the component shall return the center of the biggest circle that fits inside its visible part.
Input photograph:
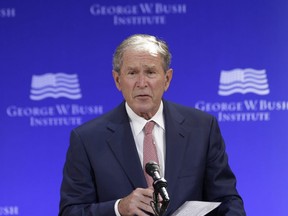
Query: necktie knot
(149, 127)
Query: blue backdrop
(229, 59)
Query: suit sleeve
(220, 182)
(78, 189)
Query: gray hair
(142, 42)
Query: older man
(103, 173)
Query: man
(103, 173)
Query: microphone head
(151, 167)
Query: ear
(116, 77)
(168, 78)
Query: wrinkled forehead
(143, 58)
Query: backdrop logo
(243, 81)
(9, 210)
(7, 12)
(55, 86)
(46, 113)
(246, 110)
(139, 14)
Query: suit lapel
(176, 139)
(123, 146)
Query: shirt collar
(139, 122)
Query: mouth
(142, 96)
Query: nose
(141, 81)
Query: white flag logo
(55, 85)
(243, 81)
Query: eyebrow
(145, 67)
(149, 67)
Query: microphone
(159, 184)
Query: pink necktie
(149, 149)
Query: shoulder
(114, 116)
(186, 112)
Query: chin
(140, 108)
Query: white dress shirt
(137, 125)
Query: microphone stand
(158, 207)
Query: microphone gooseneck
(159, 185)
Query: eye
(151, 73)
(131, 74)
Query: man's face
(142, 81)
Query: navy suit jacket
(102, 163)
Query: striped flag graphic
(55, 85)
(243, 81)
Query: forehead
(135, 58)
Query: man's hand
(137, 203)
